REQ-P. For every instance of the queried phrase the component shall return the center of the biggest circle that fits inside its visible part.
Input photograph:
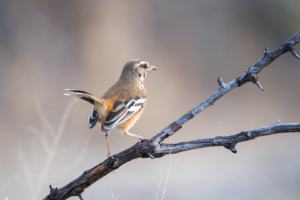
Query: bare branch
(153, 148)
(228, 142)
(77, 187)
(249, 75)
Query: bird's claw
(140, 139)
(108, 155)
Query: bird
(123, 103)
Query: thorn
(289, 47)
(233, 150)
(266, 51)
(150, 155)
(258, 85)
(231, 147)
(293, 51)
(254, 79)
(278, 122)
(50, 188)
(77, 193)
(249, 135)
(221, 83)
(80, 197)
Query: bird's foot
(108, 155)
(140, 138)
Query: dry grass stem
(166, 186)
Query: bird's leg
(107, 142)
(140, 138)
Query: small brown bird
(123, 103)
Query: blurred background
(47, 46)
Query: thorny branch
(153, 148)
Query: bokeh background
(47, 46)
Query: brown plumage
(123, 103)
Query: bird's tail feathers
(101, 106)
(82, 95)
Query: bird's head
(136, 69)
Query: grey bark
(154, 148)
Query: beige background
(47, 46)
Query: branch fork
(266, 51)
(221, 83)
(250, 76)
(54, 193)
(154, 148)
(290, 47)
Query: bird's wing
(122, 111)
(93, 118)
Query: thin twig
(45, 122)
(25, 167)
(53, 148)
(167, 178)
(112, 194)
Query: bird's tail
(82, 95)
(101, 105)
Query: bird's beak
(152, 68)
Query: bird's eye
(144, 65)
